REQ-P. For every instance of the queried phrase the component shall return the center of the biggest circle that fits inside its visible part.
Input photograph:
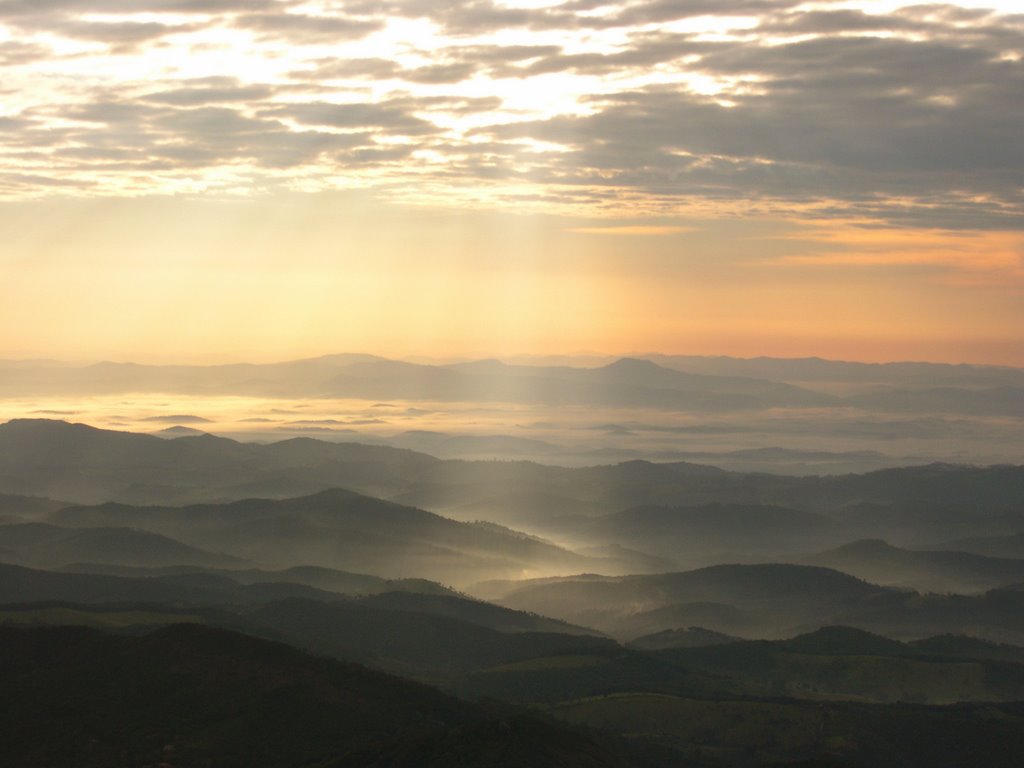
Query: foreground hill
(488, 651)
(189, 695)
(430, 636)
(414, 638)
(789, 733)
(842, 663)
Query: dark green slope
(735, 733)
(191, 696)
(845, 663)
(412, 642)
(966, 647)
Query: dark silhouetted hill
(189, 695)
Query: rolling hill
(761, 601)
(49, 546)
(912, 505)
(190, 695)
(876, 561)
(343, 530)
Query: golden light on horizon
(188, 181)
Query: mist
(584, 538)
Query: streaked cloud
(910, 116)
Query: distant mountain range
(688, 383)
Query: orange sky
(270, 280)
(217, 180)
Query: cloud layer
(667, 107)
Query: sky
(216, 180)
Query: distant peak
(634, 367)
(632, 364)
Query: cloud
(832, 22)
(302, 28)
(996, 257)
(384, 117)
(335, 69)
(122, 36)
(11, 9)
(210, 91)
(178, 419)
(860, 120)
(441, 73)
(13, 53)
(661, 11)
(152, 135)
(910, 117)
